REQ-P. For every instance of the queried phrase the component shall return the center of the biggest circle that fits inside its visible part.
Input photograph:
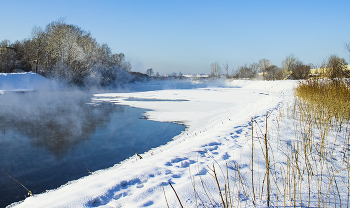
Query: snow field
(219, 127)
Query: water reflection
(56, 121)
(48, 139)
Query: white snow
(27, 81)
(218, 120)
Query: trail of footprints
(206, 153)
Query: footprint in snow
(176, 176)
(226, 156)
(186, 164)
(118, 196)
(213, 148)
(178, 159)
(203, 171)
(147, 204)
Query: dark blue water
(47, 140)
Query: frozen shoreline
(25, 82)
(212, 115)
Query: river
(49, 139)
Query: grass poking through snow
(308, 169)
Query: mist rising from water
(56, 120)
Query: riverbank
(26, 81)
(218, 121)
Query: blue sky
(187, 36)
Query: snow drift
(28, 81)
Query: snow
(203, 106)
(27, 81)
(218, 133)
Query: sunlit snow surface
(23, 82)
(217, 118)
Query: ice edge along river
(212, 114)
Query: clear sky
(188, 35)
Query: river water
(48, 139)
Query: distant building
(324, 70)
(196, 75)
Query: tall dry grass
(310, 169)
(323, 110)
(325, 98)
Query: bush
(336, 68)
(300, 71)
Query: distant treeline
(292, 68)
(66, 53)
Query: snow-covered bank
(27, 81)
(197, 108)
(218, 120)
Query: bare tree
(149, 72)
(254, 68)
(215, 69)
(271, 72)
(7, 57)
(19, 49)
(118, 59)
(263, 65)
(336, 67)
(226, 69)
(64, 52)
(300, 71)
(295, 68)
(36, 46)
(247, 71)
(289, 63)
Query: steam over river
(49, 139)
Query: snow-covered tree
(65, 52)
